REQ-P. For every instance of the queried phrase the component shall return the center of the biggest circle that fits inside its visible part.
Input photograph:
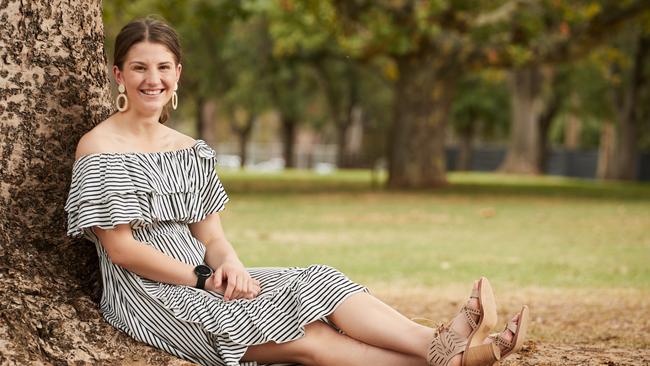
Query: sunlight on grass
(533, 231)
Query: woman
(149, 197)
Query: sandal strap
(445, 345)
(469, 313)
(512, 326)
(474, 293)
(503, 343)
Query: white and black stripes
(159, 194)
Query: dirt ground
(568, 326)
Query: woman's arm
(145, 260)
(221, 256)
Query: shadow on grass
(463, 184)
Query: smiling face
(149, 74)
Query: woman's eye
(165, 67)
(138, 68)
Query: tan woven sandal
(487, 313)
(447, 343)
(519, 331)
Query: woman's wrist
(232, 259)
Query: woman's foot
(461, 325)
(460, 322)
(466, 329)
(511, 339)
(505, 334)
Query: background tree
(479, 111)
(339, 80)
(246, 58)
(433, 42)
(626, 94)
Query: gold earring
(175, 98)
(125, 105)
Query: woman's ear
(179, 67)
(117, 74)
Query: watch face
(203, 270)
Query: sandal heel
(483, 355)
(488, 320)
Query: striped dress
(159, 194)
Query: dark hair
(147, 29)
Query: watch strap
(200, 282)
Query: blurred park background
(417, 145)
(416, 88)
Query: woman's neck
(140, 125)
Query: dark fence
(569, 163)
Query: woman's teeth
(152, 92)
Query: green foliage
(259, 55)
(483, 104)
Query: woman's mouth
(152, 91)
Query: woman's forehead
(149, 52)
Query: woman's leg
(324, 346)
(369, 320)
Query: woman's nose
(152, 76)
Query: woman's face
(149, 74)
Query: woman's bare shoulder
(182, 140)
(98, 139)
(104, 137)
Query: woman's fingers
(240, 286)
(218, 275)
(243, 286)
(232, 283)
(251, 288)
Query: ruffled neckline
(201, 146)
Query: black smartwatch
(203, 272)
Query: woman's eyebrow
(143, 63)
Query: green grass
(528, 231)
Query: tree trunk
(342, 156)
(200, 116)
(423, 95)
(464, 160)
(552, 107)
(243, 133)
(523, 154)
(288, 141)
(53, 88)
(626, 155)
(244, 137)
(206, 114)
(572, 132)
(606, 168)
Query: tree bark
(200, 116)
(423, 95)
(288, 141)
(466, 137)
(206, 111)
(54, 87)
(626, 154)
(606, 168)
(551, 109)
(243, 132)
(523, 156)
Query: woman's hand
(233, 281)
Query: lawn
(519, 231)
